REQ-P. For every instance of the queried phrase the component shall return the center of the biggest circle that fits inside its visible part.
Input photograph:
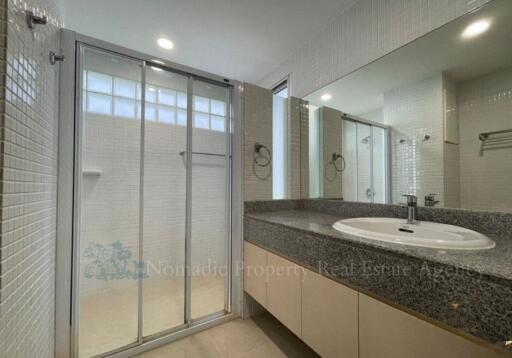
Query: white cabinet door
(255, 279)
(329, 317)
(284, 292)
(387, 332)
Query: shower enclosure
(152, 205)
(366, 152)
(353, 157)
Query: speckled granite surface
(468, 290)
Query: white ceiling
(442, 50)
(238, 39)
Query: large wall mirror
(432, 119)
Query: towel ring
(335, 157)
(267, 159)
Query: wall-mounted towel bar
(182, 153)
(488, 135)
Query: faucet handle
(411, 199)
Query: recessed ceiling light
(476, 28)
(158, 61)
(326, 97)
(165, 43)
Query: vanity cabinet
(255, 273)
(337, 321)
(284, 292)
(387, 332)
(329, 317)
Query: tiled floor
(260, 337)
(108, 320)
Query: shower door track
(67, 273)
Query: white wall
(366, 31)
(485, 104)
(28, 180)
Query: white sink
(424, 234)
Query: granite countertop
(468, 292)
(496, 263)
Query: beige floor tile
(260, 337)
(108, 320)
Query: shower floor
(109, 320)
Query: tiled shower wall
(414, 112)
(366, 31)
(29, 122)
(484, 105)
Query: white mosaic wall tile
(485, 104)
(112, 145)
(29, 176)
(257, 128)
(417, 164)
(364, 32)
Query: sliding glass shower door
(365, 149)
(152, 204)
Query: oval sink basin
(424, 234)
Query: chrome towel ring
(260, 159)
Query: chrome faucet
(412, 206)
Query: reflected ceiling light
(165, 43)
(326, 97)
(476, 28)
(158, 61)
(156, 68)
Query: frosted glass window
(150, 94)
(201, 120)
(181, 117)
(218, 107)
(167, 97)
(217, 123)
(124, 107)
(150, 112)
(166, 114)
(124, 88)
(99, 103)
(99, 82)
(182, 100)
(201, 104)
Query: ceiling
(443, 50)
(239, 39)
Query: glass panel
(164, 214)
(124, 107)
(218, 123)
(99, 103)
(166, 114)
(201, 120)
(364, 151)
(279, 146)
(151, 94)
(167, 97)
(379, 165)
(181, 118)
(124, 88)
(150, 112)
(182, 100)
(349, 175)
(109, 206)
(201, 104)
(99, 82)
(218, 107)
(209, 236)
